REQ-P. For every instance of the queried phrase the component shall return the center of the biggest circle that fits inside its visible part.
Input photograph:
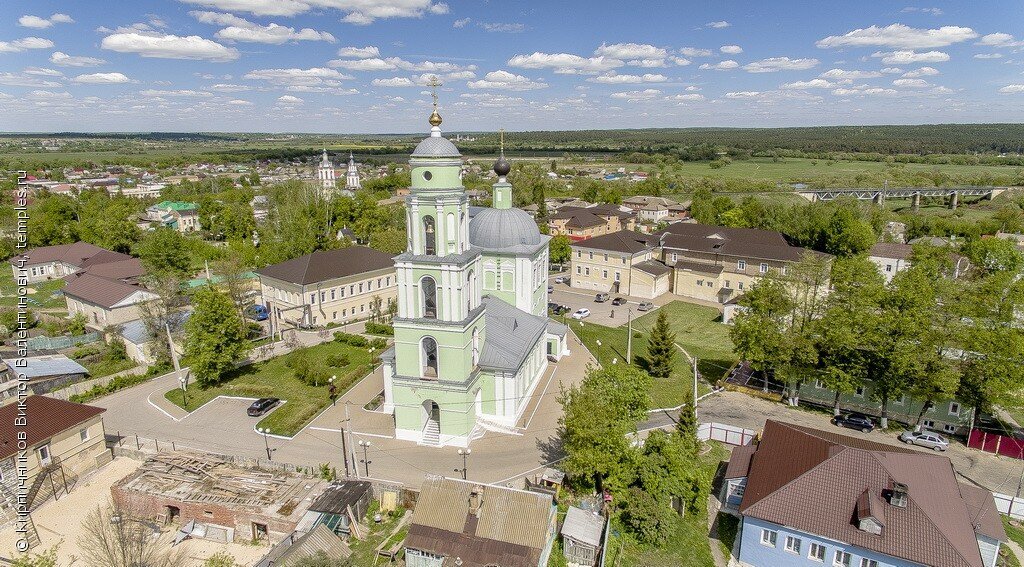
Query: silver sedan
(925, 439)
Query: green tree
(47, 558)
(994, 255)
(165, 251)
(220, 559)
(686, 427)
(214, 336)
(598, 414)
(994, 346)
(649, 519)
(558, 249)
(661, 348)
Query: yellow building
(623, 262)
(581, 223)
(329, 286)
(63, 441)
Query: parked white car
(581, 313)
(928, 439)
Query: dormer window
(869, 513)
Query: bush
(116, 351)
(338, 360)
(309, 372)
(87, 351)
(380, 329)
(379, 344)
(350, 339)
(648, 519)
(76, 326)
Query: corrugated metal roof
(325, 265)
(511, 335)
(811, 480)
(583, 526)
(506, 515)
(49, 365)
(46, 418)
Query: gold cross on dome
(433, 84)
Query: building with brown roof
(329, 286)
(621, 262)
(893, 257)
(49, 262)
(62, 440)
(581, 223)
(807, 496)
(458, 522)
(104, 301)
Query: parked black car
(619, 301)
(854, 420)
(261, 406)
(557, 309)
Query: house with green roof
(179, 215)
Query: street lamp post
(465, 453)
(332, 390)
(366, 461)
(266, 442)
(184, 390)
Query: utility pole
(629, 335)
(344, 450)
(350, 445)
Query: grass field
(697, 331)
(41, 295)
(687, 547)
(274, 379)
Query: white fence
(727, 434)
(1011, 506)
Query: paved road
(999, 474)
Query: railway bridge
(951, 194)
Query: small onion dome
(435, 118)
(502, 166)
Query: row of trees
(927, 334)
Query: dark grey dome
(502, 166)
(436, 146)
(496, 229)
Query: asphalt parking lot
(600, 313)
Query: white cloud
(359, 52)
(184, 93)
(396, 63)
(744, 94)
(239, 102)
(988, 56)
(63, 59)
(240, 29)
(999, 40)
(686, 97)
(461, 23)
(394, 82)
(102, 78)
(652, 63)
(921, 72)
(504, 80)
(630, 51)
(811, 84)
(932, 11)
(565, 63)
(892, 70)
(359, 12)
(169, 46)
(229, 88)
(43, 72)
(843, 75)
(636, 96)
(911, 83)
(289, 99)
(24, 43)
(496, 27)
(774, 64)
(721, 65)
(681, 61)
(910, 57)
(613, 78)
(695, 52)
(1012, 89)
(731, 49)
(864, 91)
(298, 77)
(718, 25)
(899, 36)
(38, 23)
(25, 80)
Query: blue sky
(351, 66)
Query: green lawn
(273, 378)
(688, 547)
(41, 295)
(364, 549)
(1016, 533)
(697, 330)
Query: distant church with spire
(472, 335)
(325, 175)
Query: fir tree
(661, 348)
(686, 427)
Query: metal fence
(1011, 506)
(43, 342)
(725, 433)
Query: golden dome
(435, 118)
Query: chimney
(476, 500)
(898, 495)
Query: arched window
(429, 239)
(470, 291)
(476, 346)
(449, 230)
(429, 357)
(428, 289)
